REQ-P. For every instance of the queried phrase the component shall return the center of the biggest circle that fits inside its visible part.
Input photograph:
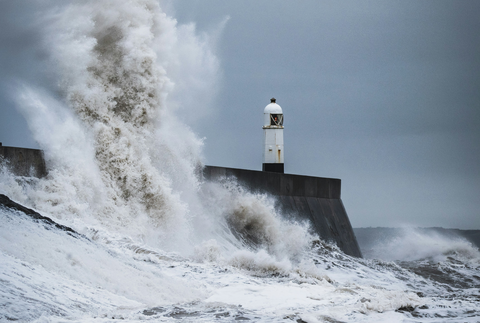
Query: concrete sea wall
(314, 199)
(23, 161)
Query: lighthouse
(273, 138)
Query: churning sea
(150, 240)
(49, 274)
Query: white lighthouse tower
(273, 138)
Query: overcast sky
(384, 95)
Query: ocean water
(154, 241)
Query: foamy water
(157, 242)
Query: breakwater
(305, 198)
(314, 199)
(23, 161)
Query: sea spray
(100, 139)
(411, 244)
(118, 155)
(249, 220)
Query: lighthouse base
(272, 167)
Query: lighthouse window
(276, 119)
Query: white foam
(415, 244)
(117, 156)
(82, 261)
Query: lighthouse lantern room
(273, 138)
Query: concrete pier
(315, 199)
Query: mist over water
(157, 242)
(411, 244)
